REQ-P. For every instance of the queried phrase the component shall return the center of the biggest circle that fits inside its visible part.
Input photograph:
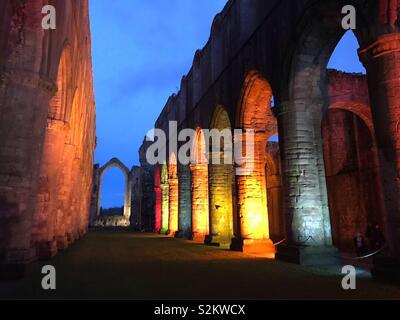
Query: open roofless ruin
(333, 170)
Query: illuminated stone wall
(351, 159)
(302, 202)
(47, 131)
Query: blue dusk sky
(141, 50)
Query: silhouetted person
(377, 238)
(359, 244)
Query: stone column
(157, 208)
(382, 61)
(128, 198)
(173, 205)
(220, 189)
(185, 202)
(309, 240)
(24, 103)
(49, 186)
(164, 208)
(95, 195)
(200, 213)
(252, 200)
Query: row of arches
(212, 203)
(65, 179)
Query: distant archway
(125, 219)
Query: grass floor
(112, 264)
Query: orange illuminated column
(252, 201)
(45, 218)
(173, 196)
(200, 201)
(164, 200)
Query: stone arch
(254, 109)
(173, 184)
(125, 221)
(199, 181)
(221, 179)
(352, 171)
(304, 98)
(61, 102)
(50, 182)
(360, 109)
(254, 113)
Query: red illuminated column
(382, 61)
(158, 199)
(157, 208)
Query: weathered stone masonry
(259, 49)
(47, 131)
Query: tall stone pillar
(382, 61)
(49, 186)
(157, 199)
(200, 213)
(252, 200)
(164, 208)
(173, 206)
(185, 202)
(157, 208)
(220, 189)
(22, 129)
(95, 195)
(308, 238)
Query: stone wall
(47, 131)
(288, 45)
